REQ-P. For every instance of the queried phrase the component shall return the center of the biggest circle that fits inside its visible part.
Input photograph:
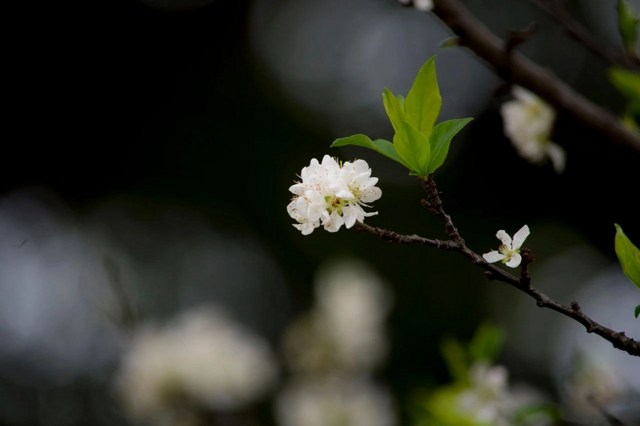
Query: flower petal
(520, 236)
(504, 237)
(514, 261)
(557, 156)
(493, 256)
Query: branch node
(575, 306)
(518, 37)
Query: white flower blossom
(202, 359)
(528, 122)
(332, 195)
(509, 250)
(334, 402)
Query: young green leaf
(627, 24)
(423, 101)
(394, 106)
(413, 148)
(628, 255)
(381, 146)
(440, 139)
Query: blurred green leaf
(381, 146)
(440, 139)
(423, 101)
(486, 344)
(637, 311)
(413, 148)
(456, 359)
(394, 106)
(626, 82)
(628, 255)
(537, 414)
(627, 25)
(450, 42)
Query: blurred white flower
(345, 329)
(490, 400)
(201, 359)
(487, 393)
(334, 402)
(509, 250)
(528, 122)
(424, 5)
(332, 195)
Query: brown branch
(519, 70)
(556, 9)
(522, 283)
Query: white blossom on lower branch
(201, 359)
(509, 250)
(528, 122)
(332, 194)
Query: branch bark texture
(433, 203)
(517, 69)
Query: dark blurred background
(152, 143)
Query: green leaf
(637, 311)
(440, 139)
(627, 82)
(456, 359)
(394, 106)
(381, 146)
(413, 148)
(628, 255)
(423, 101)
(627, 24)
(486, 343)
(450, 42)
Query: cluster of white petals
(509, 250)
(332, 195)
(528, 122)
(490, 400)
(202, 358)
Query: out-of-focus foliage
(628, 84)
(479, 394)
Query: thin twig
(517, 69)
(523, 283)
(556, 9)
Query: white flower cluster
(332, 195)
(202, 359)
(490, 400)
(335, 402)
(528, 122)
(333, 350)
(344, 332)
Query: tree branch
(522, 283)
(519, 70)
(556, 10)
